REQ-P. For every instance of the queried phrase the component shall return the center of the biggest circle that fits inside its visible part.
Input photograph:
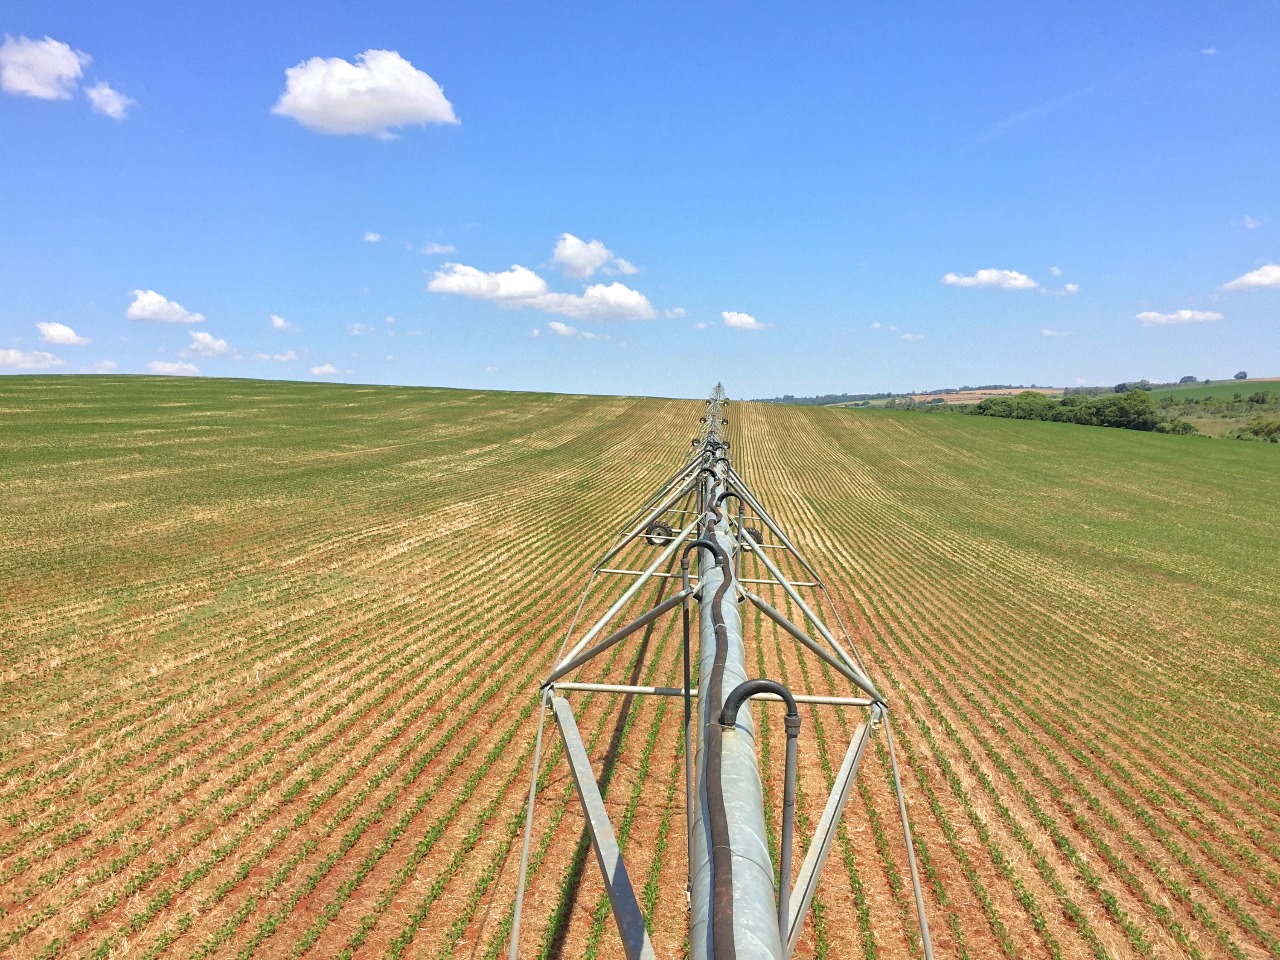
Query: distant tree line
(828, 398)
(905, 401)
(1128, 385)
(1131, 410)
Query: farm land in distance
(271, 654)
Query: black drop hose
(729, 718)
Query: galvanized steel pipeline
(731, 874)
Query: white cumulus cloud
(152, 307)
(1071, 288)
(580, 259)
(206, 344)
(517, 285)
(675, 313)
(372, 237)
(324, 370)
(279, 323)
(614, 301)
(1150, 318)
(61, 334)
(1267, 276)
(28, 360)
(380, 92)
(108, 102)
(438, 248)
(173, 369)
(740, 321)
(1055, 271)
(521, 287)
(912, 336)
(278, 357)
(1006, 279)
(46, 69)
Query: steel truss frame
(735, 911)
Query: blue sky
(807, 199)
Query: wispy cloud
(564, 330)
(1066, 290)
(914, 337)
(108, 102)
(1055, 333)
(1005, 279)
(1020, 117)
(173, 368)
(28, 360)
(372, 237)
(1151, 318)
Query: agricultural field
(1215, 390)
(271, 654)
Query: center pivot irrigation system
(735, 908)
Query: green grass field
(271, 652)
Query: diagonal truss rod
(737, 911)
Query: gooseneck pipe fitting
(729, 718)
